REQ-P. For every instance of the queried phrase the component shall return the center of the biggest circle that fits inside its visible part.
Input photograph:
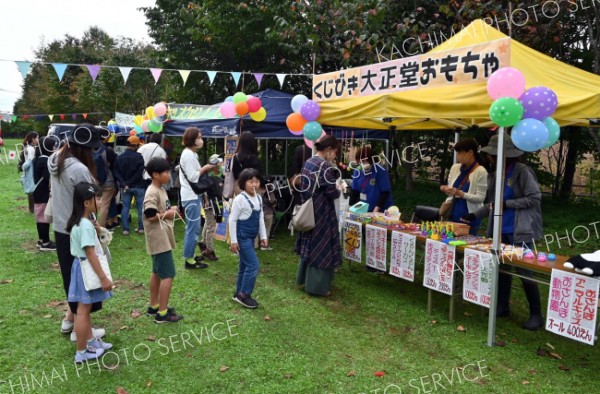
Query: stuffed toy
(587, 263)
(105, 237)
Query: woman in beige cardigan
(467, 183)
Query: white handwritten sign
(439, 266)
(353, 241)
(572, 306)
(477, 278)
(402, 255)
(376, 242)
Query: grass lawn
(293, 343)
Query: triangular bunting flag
(62, 116)
(281, 78)
(184, 75)
(156, 74)
(73, 116)
(125, 73)
(236, 77)
(14, 118)
(51, 117)
(211, 76)
(39, 117)
(84, 115)
(25, 117)
(94, 70)
(23, 68)
(1, 116)
(259, 77)
(60, 70)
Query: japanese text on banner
(572, 306)
(458, 66)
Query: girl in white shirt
(246, 221)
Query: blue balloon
(229, 98)
(312, 130)
(553, 131)
(298, 101)
(529, 135)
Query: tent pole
(456, 137)
(267, 155)
(496, 248)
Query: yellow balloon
(138, 120)
(259, 115)
(150, 112)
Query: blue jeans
(193, 226)
(126, 196)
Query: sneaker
(98, 343)
(125, 232)
(267, 248)
(193, 266)
(245, 301)
(48, 247)
(96, 333)
(90, 354)
(66, 327)
(210, 255)
(199, 258)
(38, 243)
(534, 323)
(153, 311)
(139, 231)
(170, 317)
(201, 265)
(202, 246)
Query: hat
(85, 135)
(215, 159)
(133, 140)
(492, 147)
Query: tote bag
(303, 218)
(91, 281)
(229, 184)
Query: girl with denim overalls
(246, 221)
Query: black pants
(65, 260)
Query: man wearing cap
(130, 174)
(521, 223)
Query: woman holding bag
(190, 166)
(319, 249)
(467, 185)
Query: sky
(27, 23)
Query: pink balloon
(254, 104)
(145, 126)
(228, 109)
(160, 109)
(506, 82)
(299, 132)
(308, 143)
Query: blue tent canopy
(278, 107)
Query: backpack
(100, 161)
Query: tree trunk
(595, 138)
(570, 164)
(556, 185)
(409, 185)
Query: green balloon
(553, 131)
(506, 111)
(239, 97)
(154, 127)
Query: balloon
(553, 131)
(308, 143)
(227, 109)
(506, 111)
(239, 97)
(295, 122)
(312, 130)
(506, 82)
(539, 102)
(254, 104)
(150, 112)
(241, 108)
(160, 109)
(138, 120)
(310, 110)
(145, 126)
(296, 132)
(112, 126)
(132, 132)
(529, 135)
(298, 101)
(229, 98)
(259, 115)
(154, 127)
(160, 119)
(138, 129)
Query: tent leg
(429, 301)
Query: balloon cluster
(528, 111)
(152, 120)
(304, 119)
(241, 104)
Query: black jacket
(129, 170)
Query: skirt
(77, 291)
(316, 281)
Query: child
(208, 233)
(85, 246)
(246, 220)
(41, 194)
(160, 241)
